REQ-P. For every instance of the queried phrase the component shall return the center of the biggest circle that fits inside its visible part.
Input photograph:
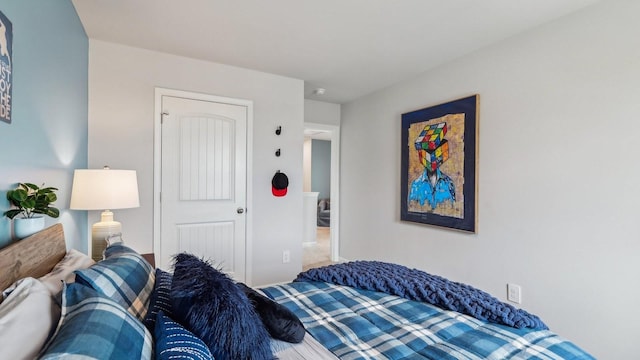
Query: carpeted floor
(317, 254)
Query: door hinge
(162, 115)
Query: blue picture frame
(438, 175)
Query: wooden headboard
(34, 256)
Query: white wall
(320, 112)
(558, 175)
(121, 104)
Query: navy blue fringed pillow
(281, 323)
(209, 304)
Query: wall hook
(278, 152)
(279, 130)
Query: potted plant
(32, 203)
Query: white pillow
(27, 317)
(63, 271)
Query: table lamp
(105, 189)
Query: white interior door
(203, 182)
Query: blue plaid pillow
(93, 326)
(124, 276)
(174, 341)
(160, 299)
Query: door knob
(240, 210)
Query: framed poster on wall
(6, 73)
(438, 174)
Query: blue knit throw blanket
(418, 285)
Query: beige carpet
(317, 254)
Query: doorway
(331, 233)
(201, 178)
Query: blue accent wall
(47, 138)
(321, 168)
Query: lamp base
(100, 232)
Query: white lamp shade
(104, 189)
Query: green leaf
(17, 196)
(30, 186)
(53, 212)
(28, 203)
(12, 213)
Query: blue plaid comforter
(361, 324)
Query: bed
(338, 307)
(123, 308)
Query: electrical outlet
(286, 256)
(514, 293)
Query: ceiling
(348, 47)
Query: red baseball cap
(279, 184)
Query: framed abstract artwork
(6, 72)
(438, 176)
